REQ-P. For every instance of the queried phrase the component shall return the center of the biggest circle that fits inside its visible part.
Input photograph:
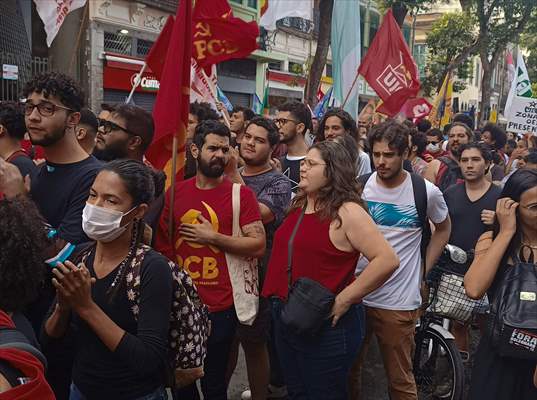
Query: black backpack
(420, 198)
(449, 174)
(513, 319)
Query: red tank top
(314, 257)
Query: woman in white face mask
(120, 314)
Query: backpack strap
(419, 189)
(11, 338)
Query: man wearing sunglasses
(125, 132)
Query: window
(275, 66)
(143, 47)
(236, 1)
(117, 43)
(374, 25)
(296, 68)
(252, 3)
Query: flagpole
(215, 95)
(350, 90)
(171, 228)
(137, 81)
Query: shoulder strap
(236, 205)
(420, 199)
(290, 245)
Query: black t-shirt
(273, 190)
(466, 225)
(291, 169)
(61, 191)
(25, 165)
(136, 367)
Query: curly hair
(22, 253)
(395, 133)
(12, 118)
(349, 124)
(59, 85)
(341, 187)
(203, 111)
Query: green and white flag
(521, 85)
(345, 44)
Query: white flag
(202, 87)
(53, 13)
(278, 9)
(521, 85)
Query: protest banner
(522, 116)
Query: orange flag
(173, 99)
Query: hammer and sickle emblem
(203, 30)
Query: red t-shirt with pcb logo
(205, 264)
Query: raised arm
(489, 251)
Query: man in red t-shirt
(203, 223)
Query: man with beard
(60, 188)
(126, 132)
(293, 121)
(445, 171)
(471, 208)
(401, 204)
(202, 235)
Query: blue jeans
(317, 368)
(159, 394)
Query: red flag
(157, 55)
(388, 67)
(173, 99)
(416, 108)
(320, 94)
(219, 36)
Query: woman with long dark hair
(329, 229)
(514, 240)
(120, 348)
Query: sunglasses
(109, 126)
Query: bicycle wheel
(438, 367)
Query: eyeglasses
(531, 208)
(308, 164)
(282, 121)
(45, 108)
(109, 126)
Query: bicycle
(438, 366)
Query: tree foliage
(447, 39)
(500, 22)
(528, 42)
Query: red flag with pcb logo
(219, 36)
(173, 99)
(388, 67)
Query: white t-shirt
(395, 213)
(364, 163)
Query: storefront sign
(522, 117)
(10, 72)
(124, 79)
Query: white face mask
(102, 224)
(433, 148)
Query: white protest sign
(522, 116)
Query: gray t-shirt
(272, 189)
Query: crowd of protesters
(298, 238)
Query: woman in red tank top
(333, 233)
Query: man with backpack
(401, 204)
(445, 171)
